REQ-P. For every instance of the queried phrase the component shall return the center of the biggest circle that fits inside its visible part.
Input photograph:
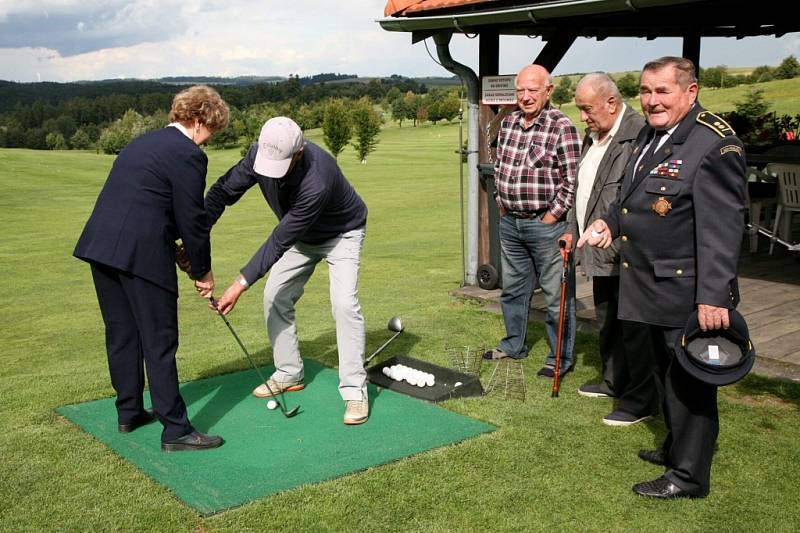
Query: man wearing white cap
(320, 218)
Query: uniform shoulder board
(718, 125)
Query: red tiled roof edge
(395, 7)
(404, 7)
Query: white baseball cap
(279, 140)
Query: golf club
(560, 342)
(396, 325)
(288, 414)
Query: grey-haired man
(321, 217)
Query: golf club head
(395, 324)
(291, 412)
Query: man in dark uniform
(680, 217)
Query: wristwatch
(242, 281)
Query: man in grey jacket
(612, 128)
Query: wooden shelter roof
(592, 18)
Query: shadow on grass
(760, 386)
(229, 393)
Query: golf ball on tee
(272, 404)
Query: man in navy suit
(680, 219)
(153, 197)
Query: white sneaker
(356, 412)
(262, 391)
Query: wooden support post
(488, 65)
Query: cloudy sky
(69, 40)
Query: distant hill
(239, 81)
(13, 93)
(433, 81)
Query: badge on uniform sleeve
(661, 207)
(731, 148)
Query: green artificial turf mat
(265, 452)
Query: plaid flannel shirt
(537, 167)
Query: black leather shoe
(193, 441)
(657, 457)
(546, 372)
(142, 419)
(664, 489)
(550, 372)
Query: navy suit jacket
(152, 197)
(680, 222)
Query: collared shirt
(180, 127)
(314, 202)
(536, 165)
(587, 169)
(661, 140)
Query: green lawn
(550, 466)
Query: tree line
(344, 110)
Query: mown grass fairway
(550, 466)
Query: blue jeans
(529, 248)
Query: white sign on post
(498, 90)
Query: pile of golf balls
(411, 375)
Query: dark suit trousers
(640, 396)
(690, 411)
(141, 322)
(605, 292)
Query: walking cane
(560, 340)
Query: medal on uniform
(661, 207)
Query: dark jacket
(597, 261)
(153, 196)
(681, 223)
(314, 203)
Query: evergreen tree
(628, 86)
(788, 69)
(563, 92)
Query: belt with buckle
(528, 214)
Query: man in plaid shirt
(535, 174)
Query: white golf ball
(386, 371)
(412, 379)
(458, 384)
(272, 404)
(429, 380)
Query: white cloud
(94, 39)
